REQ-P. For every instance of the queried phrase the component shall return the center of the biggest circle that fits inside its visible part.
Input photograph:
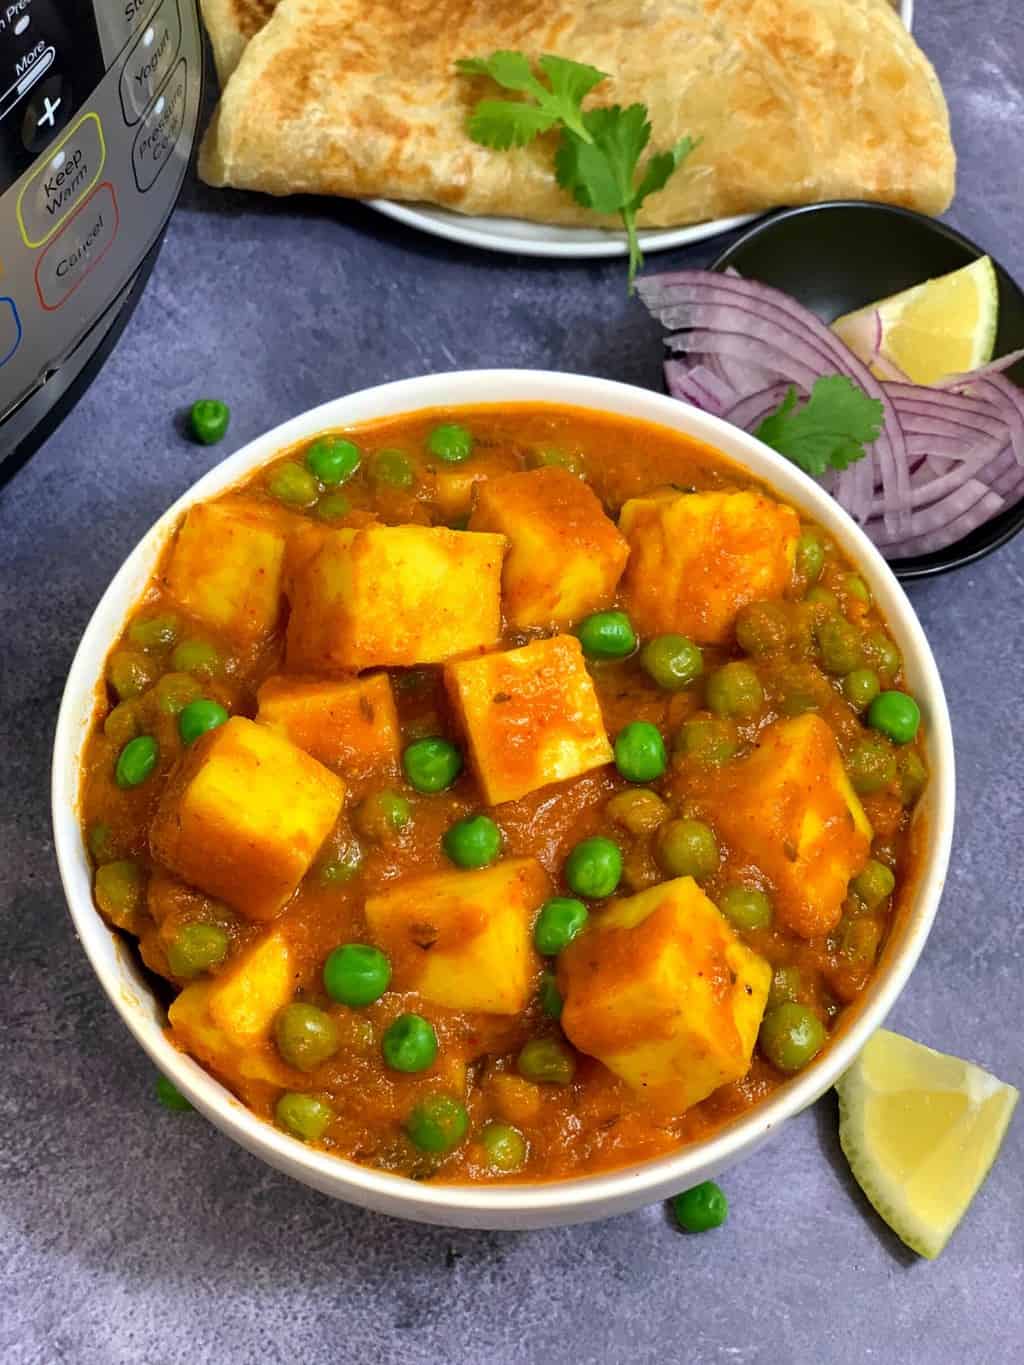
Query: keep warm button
(78, 249)
(160, 131)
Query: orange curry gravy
(596, 1122)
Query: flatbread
(795, 101)
(230, 24)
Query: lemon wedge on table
(920, 1130)
(944, 326)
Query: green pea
(860, 688)
(450, 442)
(382, 815)
(785, 986)
(130, 673)
(854, 586)
(550, 996)
(708, 740)
(432, 764)
(735, 690)
(122, 723)
(594, 867)
(672, 661)
(198, 657)
(913, 775)
(824, 602)
(546, 1060)
(810, 557)
(333, 460)
(332, 507)
(839, 644)
(100, 839)
(701, 1209)
(155, 632)
(174, 691)
(560, 459)
(505, 1146)
(473, 841)
(409, 1044)
(342, 868)
(303, 1116)
(356, 974)
(394, 468)
(171, 1097)
(293, 485)
(640, 752)
(791, 1036)
(119, 888)
(763, 628)
(198, 718)
(871, 765)
(305, 1036)
(896, 715)
(136, 761)
(209, 418)
(638, 810)
(746, 907)
(883, 656)
(437, 1124)
(196, 948)
(559, 921)
(606, 635)
(874, 884)
(687, 848)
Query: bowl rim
(515, 1204)
(1009, 521)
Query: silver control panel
(109, 162)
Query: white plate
(542, 239)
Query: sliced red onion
(949, 457)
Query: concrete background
(131, 1235)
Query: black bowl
(840, 256)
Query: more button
(67, 175)
(79, 249)
(160, 131)
(150, 60)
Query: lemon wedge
(920, 1130)
(944, 326)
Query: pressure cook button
(150, 60)
(78, 249)
(160, 131)
(63, 180)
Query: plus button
(50, 108)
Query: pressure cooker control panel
(97, 118)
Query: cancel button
(78, 249)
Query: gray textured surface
(127, 1234)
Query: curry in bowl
(510, 792)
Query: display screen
(50, 62)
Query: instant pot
(98, 107)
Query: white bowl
(505, 1205)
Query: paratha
(230, 24)
(794, 101)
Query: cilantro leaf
(830, 431)
(599, 150)
(502, 123)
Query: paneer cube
(243, 816)
(350, 726)
(661, 990)
(531, 716)
(226, 1022)
(565, 556)
(464, 939)
(395, 595)
(455, 483)
(790, 809)
(697, 558)
(226, 567)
